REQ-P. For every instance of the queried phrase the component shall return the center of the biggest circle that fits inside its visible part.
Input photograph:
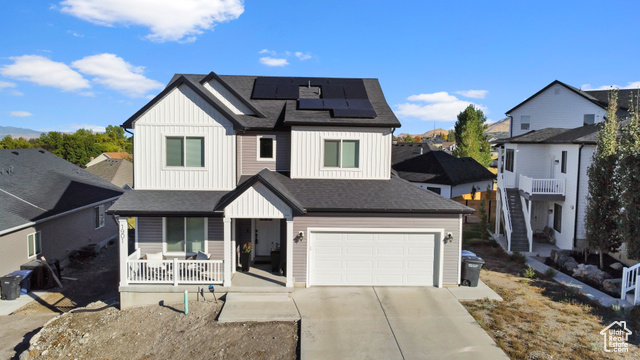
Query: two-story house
(542, 179)
(298, 164)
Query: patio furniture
(544, 236)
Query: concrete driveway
(388, 323)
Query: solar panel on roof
(335, 104)
(355, 91)
(310, 104)
(264, 91)
(333, 92)
(360, 104)
(287, 91)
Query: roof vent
(41, 151)
(15, 153)
(10, 170)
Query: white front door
(267, 236)
(354, 258)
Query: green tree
(603, 206)
(629, 176)
(407, 139)
(470, 136)
(8, 142)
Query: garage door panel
(368, 258)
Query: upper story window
(99, 216)
(508, 161)
(185, 151)
(525, 122)
(589, 119)
(563, 165)
(342, 153)
(34, 247)
(267, 147)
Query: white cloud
(43, 71)
(20, 113)
(437, 97)
(6, 84)
(303, 56)
(474, 94)
(116, 74)
(75, 33)
(440, 106)
(269, 61)
(267, 51)
(168, 20)
(17, 93)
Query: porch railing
(506, 213)
(630, 282)
(527, 222)
(174, 271)
(542, 186)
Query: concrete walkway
(585, 289)
(389, 323)
(467, 293)
(9, 306)
(240, 307)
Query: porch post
(227, 252)
(289, 253)
(498, 209)
(123, 248)
(233, 246)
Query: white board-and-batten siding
(150, 236)
(307, 155)
(450, 224)
(184, 113)
(257, 202)
(556, 107)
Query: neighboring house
(437, 171)
(110, 155)
(543, 165)
(301, 164)
(116, 171)
(50, 207)
(449, 146)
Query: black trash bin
(471, 266)
(25, 284)
(10, 286)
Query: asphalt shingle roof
(117, 171)
(36, 184)
(167, 202)
(437, 167)
(587, 134)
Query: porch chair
(544, 236)
(157, 269)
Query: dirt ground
(542, 319)
(96, 329)
(162, 332)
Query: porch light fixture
(301, 234)
(448, 238)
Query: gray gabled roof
(584, 94)
(587, 134)
(167, 203)
(116, 171)
(35, 184)
(437, 167)
(271, 114)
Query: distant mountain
(19, 132)
(428, 134)
(499, 128)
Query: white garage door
(372, 258)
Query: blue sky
(92, 63)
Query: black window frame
(271, 140)
(509, 158)
(563, 163)
(557, 217)
(528, 124)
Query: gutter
(3, 232)
(133, 151)
(575, 222)
(510, 125)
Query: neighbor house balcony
(542, 189)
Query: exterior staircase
(519, 241)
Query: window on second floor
(342, 153)
(99, 216)
(589, 119)
(525, 122)
(436, 190)
(508, 161)
(267, 147)
(563, 165)
(185, 151)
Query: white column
(233, 246)
(289, 253)
(498, 210)
(227, 252)
(123, 248)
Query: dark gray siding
(13, 250)
(248, 153)
(450, 223)
(216, 238)
(150, 236)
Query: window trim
(509, 166)
(563, 162)
(39, 239)
(99, 224)
(272, 137)
(184, 220)
(341, 153)
(184, 154)
(557, 215)
(528, 123)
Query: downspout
(510, 125)
(133, 178)
(575, 223)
